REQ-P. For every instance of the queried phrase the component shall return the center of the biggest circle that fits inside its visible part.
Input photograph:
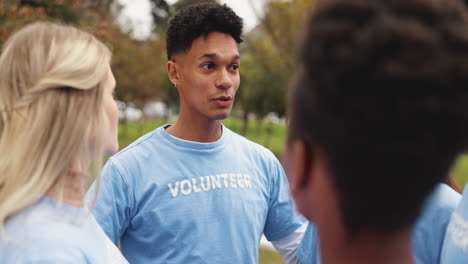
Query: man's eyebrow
(214, 56)
(209, 56)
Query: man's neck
(373, 248)
(196, 130)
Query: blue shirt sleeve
(112, 206)
(282, 218)
(308, 251)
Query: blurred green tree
(268, 59)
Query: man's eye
(235, 67)
(208, 66)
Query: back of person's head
(198, 20)
(383, 93)
(50, 109)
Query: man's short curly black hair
(200, 20)
(383, 92)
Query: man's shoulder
(135, 155)
(140, 147)
(249, 146)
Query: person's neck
(198, 130)
(372, 248)
(70, 187)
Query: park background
(146, 97)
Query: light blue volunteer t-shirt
(455, 250)
(428, 233)
(170, 200)
(50, 232)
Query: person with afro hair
(378, 113)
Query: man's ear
(173, 72)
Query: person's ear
(173, 72)
(299, 164)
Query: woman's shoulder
(49, 232)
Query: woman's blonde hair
(51, 109)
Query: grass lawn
(269, 257)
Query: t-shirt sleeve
(308, 251)
(112, 205)
(282, 218)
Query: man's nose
(223, 80)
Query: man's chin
(221, 116)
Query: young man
(378, 115)
(455, 249)
(195, 192)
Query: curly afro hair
(383, 93)
(201, 19)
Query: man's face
(208, 76)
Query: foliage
(140, 65)
(160, 12)
(285, 37)
(14, 15)
(460, 170)
(183, 3)
(264, 79)
(93, 16)
(137, 67)
(268, 58)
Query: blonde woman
(58, 118)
